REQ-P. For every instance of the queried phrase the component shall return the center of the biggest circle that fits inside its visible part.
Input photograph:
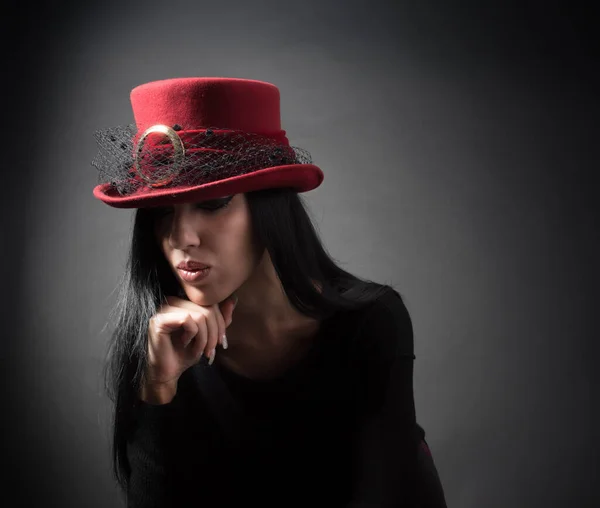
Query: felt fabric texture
(192, 105)
(239, 104)
(301, 177)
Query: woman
(246, 366)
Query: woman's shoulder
(386, 325)
(379, 348)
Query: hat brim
(302, 177)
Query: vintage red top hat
(196, 139)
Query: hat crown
(196, 139)
(196, 103)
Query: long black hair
(282, 225)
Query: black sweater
(337, 430)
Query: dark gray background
(459, 145)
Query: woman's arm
(171, 451)
(387, 441)
(150, 448)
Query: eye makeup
(215, 204)
(210, 206)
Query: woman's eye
(214, 206)
(209, 206)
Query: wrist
(158, 394)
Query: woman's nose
(183, 230)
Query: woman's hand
(178, 335)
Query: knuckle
(197, 316)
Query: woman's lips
(195, 275)
(192, 265)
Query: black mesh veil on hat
(210, 154)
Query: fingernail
(211, 356)
(224, 342)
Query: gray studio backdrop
(456, 166)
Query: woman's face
(217, 233)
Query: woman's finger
(222, 327)
(212, 335)
(198, 345)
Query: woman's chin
(199, 297)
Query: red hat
(196, 139)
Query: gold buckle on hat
(178, 153)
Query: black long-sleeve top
(336, 430)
